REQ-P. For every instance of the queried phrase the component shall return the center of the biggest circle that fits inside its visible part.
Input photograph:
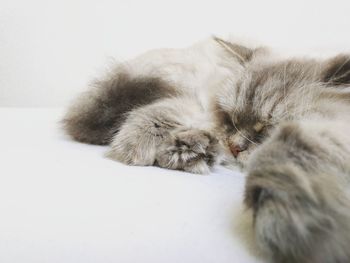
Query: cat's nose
(235, 149)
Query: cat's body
(286, 121)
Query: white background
(49, 50)
(61, 201)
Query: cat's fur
(285, 121)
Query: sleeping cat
(285, 121)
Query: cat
(284, 121)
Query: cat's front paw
(190, 150)
(300, 212)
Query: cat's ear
(241, 53)
(337, 71)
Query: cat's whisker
(245, 137)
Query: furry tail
(298, 220)
(98, 113)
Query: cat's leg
(172, 133)
(96, 115)
(298, 187)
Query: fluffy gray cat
(285, 121)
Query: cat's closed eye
(258, 127)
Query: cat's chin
(232, 163)
(242, 158)
(236, 163)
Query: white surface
(62, 201)
(49, 50)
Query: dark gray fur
(98, 114)
(297, 192)
(337, 72)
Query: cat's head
(242, 126)
(248, 108)
(271, 90)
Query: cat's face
(242, 130)
(248, 109)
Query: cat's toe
(191, 150)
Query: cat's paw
(190, 150)
(300, 212)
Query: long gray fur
(288, 118)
